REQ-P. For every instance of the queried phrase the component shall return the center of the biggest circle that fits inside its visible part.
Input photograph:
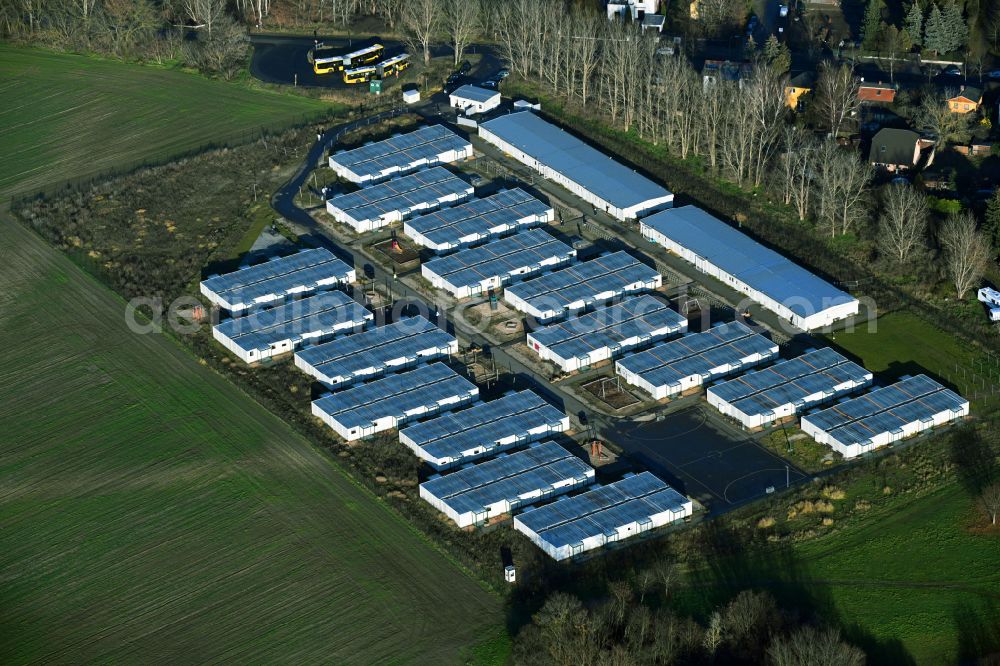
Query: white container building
(605, 515)
(400, 154)
(581, 286)
(377, 351)
(788, 388)
(473, 99)
(483, 430)
(389, 402)
(476, 270)
(578, 343)
(885, 415)
(265, 333)
(673, 367)
(476, 494)
(379, 205)
(769, 279)
(277, 279)
(583, 170)
(478, 220)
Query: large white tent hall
(729, 255)
(583, 170)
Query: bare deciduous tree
(461, 18)
(808, 645)
(967, 252)
(714, 634)
(421, 21)
(204, 13)
(585, 29)
(797, 169)
(989, 501)
(621, 593)
(837, 95)
(934, 116)
(903, 224)
(840, 184)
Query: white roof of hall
(475, 93)
(744, 258)
(583, 164)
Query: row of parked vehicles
(359, 66)
(459, 76)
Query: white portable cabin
(787, 388)
(392, 348)
(400, 154)
(473, 99)
(262, 334)
(481, 492)
(383, 404)
(476, 270)
(674, 367)
(580, 286)
(276, 280)
(380, 205)
(884, 416)
(605, 515)
(478, 220)
(605, 333)
(483, 430)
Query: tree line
(210, 35)
(624, 628)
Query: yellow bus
(364, 56)
(360, 74)
(328, 64)
(393, 66)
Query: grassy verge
(72, 117)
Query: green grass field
(152, 513)
(909, 582)
(70, 116)
(904, 344)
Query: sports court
(705, 458)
